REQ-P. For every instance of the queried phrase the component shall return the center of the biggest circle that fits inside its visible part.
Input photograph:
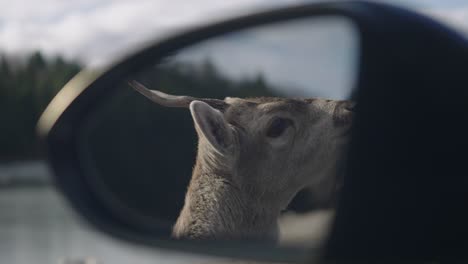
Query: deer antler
(169, 100)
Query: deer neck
(216, 209)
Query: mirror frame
(374, 22)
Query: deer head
(268, 148)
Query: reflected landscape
(239, 137)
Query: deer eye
(278, 126)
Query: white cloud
(309, 57)
(99, 31)
(456, 18)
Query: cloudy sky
(100, 31)
(301, 58)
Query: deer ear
(210, 124)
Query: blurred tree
(26, 87)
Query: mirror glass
(266, 109)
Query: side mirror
(228, 139)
